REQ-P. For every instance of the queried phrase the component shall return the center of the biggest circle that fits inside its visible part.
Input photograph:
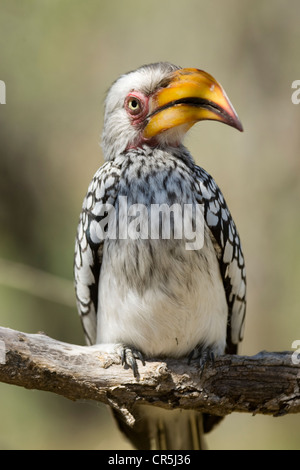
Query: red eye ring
(136, 105)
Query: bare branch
(267, 383)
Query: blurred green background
(58, 58)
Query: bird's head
(156, 105)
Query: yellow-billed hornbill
(155, 296)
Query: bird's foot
(129, 356)
(205, 354)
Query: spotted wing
(228, 249)
(89, 245)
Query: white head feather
(118, 131)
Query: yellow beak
(191, 95)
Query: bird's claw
(205, 355)
(129, 358)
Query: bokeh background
(58, 58)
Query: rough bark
(266, 383)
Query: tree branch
(267, 383)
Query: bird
(148, 296)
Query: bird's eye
(133, 105)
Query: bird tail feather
(159, 429)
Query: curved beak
(191, 95)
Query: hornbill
(146, 296)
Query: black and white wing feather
(229, 252)
(89, 245)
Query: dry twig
(267, 383)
